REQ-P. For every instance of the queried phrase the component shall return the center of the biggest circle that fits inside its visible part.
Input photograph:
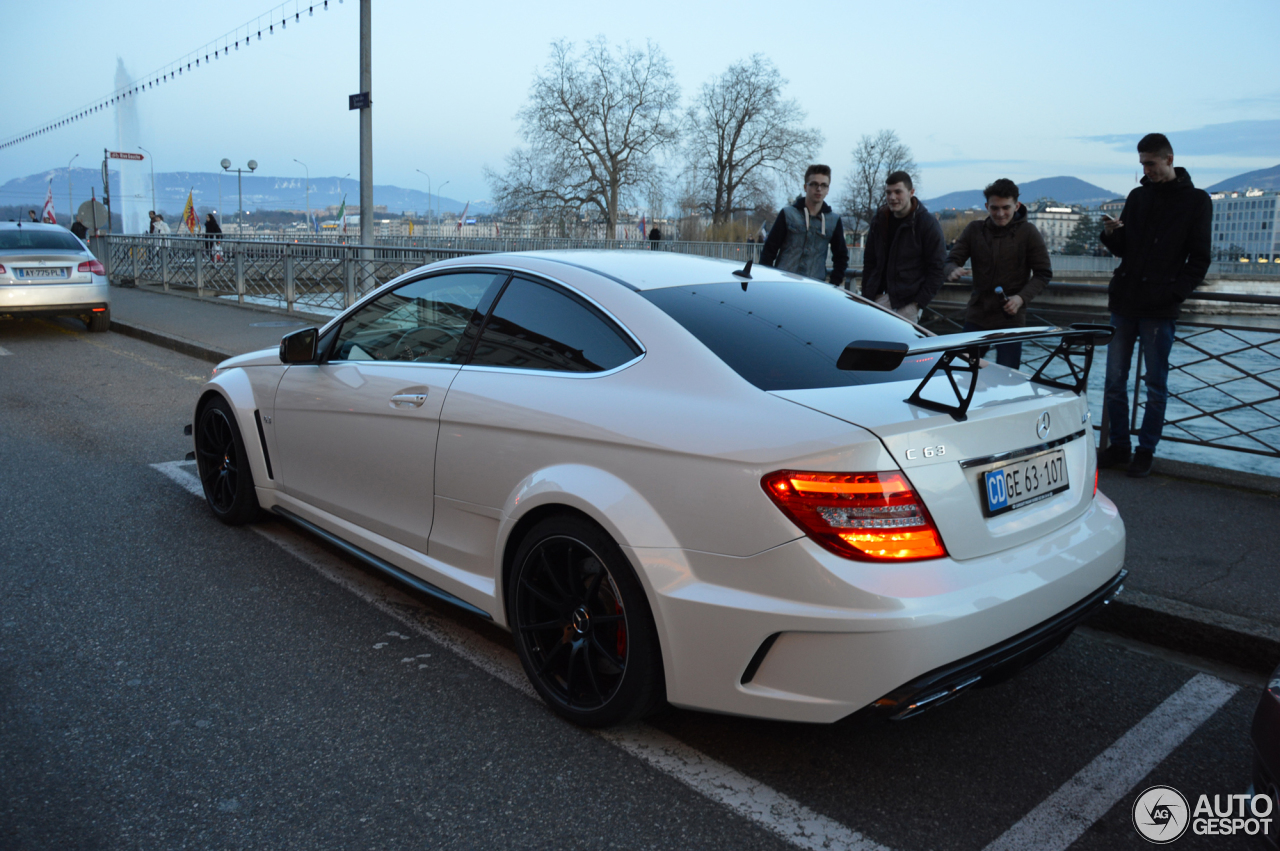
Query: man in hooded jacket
(1010, 267)
(804, 230)
(905, 252)
(1163, 241)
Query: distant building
(1244, 226)
(1112, 208)
(1054, 221)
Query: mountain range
(217, 190)
(1065, 190)
(1267, 178)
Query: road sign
(360, 101)
(91, 211)
(124, 155)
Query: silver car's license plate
(1023, 482)
(57, 272)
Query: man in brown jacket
(1010, 267)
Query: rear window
(787, 335)
(38, 239)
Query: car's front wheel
(223, 465)
(582, 624)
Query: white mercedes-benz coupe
(673, 478)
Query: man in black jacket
(905, 252)
(1163, 240)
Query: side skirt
(377, 563)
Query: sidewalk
(1203, 542)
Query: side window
(536, 326)
(421, 321)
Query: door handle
(408, 400)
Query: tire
(99, 322)
(223, 465)
(582, 625)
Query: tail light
(867, 516)
(2, 270)
(91, 266)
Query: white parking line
(749, 798)
(4, 351)
(1085, 798)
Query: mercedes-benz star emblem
(1042, 425)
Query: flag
(342, 212)
(189, 214)
(47, 214)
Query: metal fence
(315, 278)
(1224, 376)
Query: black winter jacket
(1164, 248)
(911, 268)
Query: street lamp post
(71, 209)
(226, 166)
(428, 177)
(153, 175)
(308, 171)
(439, 209)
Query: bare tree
(593, 124)
(874, 159)
(741, 135)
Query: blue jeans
(1007, 354)
(1157, 341)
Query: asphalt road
(168, 682)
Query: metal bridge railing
(1224, 376)
(317, 278)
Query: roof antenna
(745, 274)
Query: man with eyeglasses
(905, 252)
(805, 229)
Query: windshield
(787, 335)
(38, 239)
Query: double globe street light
(226, 166)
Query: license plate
(1023, 482)
(59, 272)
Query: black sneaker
(1114, 456)
(1140, 467)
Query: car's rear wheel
(100, 321)
(223, 465)
(582, 624)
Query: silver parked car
(45, 270)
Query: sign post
(106, 187)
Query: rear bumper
(995, 664)
(799, 634)
(54, 299)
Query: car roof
(36, 225)
(653, 269)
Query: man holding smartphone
(1163, 240)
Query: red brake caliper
(622, 632)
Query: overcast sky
(978, 91)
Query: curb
(1195, 631)
(169, 341)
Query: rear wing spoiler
(962, 353)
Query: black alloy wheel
(223, 465)
(582, 624)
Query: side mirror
(299, 347)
